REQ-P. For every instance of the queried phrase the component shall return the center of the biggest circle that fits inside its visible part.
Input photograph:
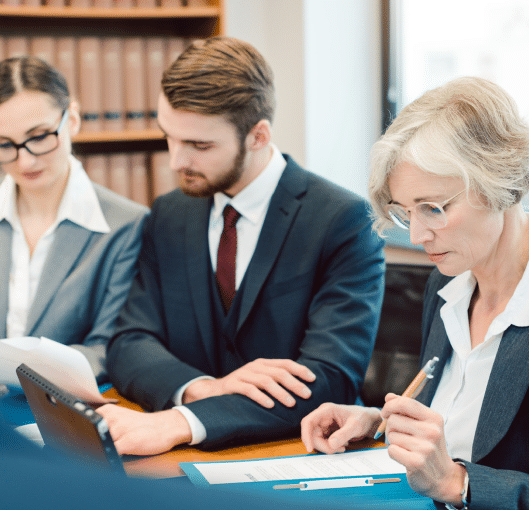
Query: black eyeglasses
(430, 214)
(36, 145)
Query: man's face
(205, 150)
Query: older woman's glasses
(36, 145)
(430, 214)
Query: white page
(374, 461)
(60, 364)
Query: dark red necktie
(226, 257)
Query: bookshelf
(197, 20)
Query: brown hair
(32, 74)
(222, 76)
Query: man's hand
(137, 433)
(416, 439)
(257, 380)
(331, 427)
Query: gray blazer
(499, 471)
(85, 279)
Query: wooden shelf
(118, 136)
(24, 12)
(166, 24)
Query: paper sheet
(373, 461)
(60, 364)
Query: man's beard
(224, 182)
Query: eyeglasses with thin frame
(36, 145)
(430, 214)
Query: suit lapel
(6, 234)
(70, 241)
(507, 386)
(279, 218)
(197, 261)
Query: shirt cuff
(177, 399)
(198, 431)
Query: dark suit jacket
(498, 473)
(312, 293)
(85, 279)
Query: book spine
(124, 4)
(174, 47)
(55, 3)
(113, 101)
(155, 69)
(83, 4)
(90, 83)
(163, 178)
(135, 83)
(43, 48)
(119, 181)
(170, 4)
(66, 62)
(138, 178)
(17, 46)
(96, 166)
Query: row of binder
(140, 176)
(137, 175)
(108, 4)
(116, 79)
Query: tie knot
(230, 216)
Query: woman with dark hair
(68, 247)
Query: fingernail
(290, 401)
(269, 403)
(306, 393)
(311, 376)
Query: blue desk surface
(15, 410)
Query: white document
(374, 461)
(60, 364)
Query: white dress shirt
(79, 204)
(252, 204)
(466, 374)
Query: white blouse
(466, 374)
(79, 204)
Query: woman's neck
(42, 202)
(498, 277)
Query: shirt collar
(252, 201)
(516, 312)
(79, 203)
(458, 288)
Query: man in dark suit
(244, 323)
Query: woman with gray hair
(452, 169)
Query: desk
(166, 465)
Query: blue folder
(397, 496)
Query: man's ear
(74, 119)
(259, 136)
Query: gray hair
(468, 128)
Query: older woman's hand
(331, 427)
(416, 439)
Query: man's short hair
(222, 76)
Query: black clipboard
(68, 424)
